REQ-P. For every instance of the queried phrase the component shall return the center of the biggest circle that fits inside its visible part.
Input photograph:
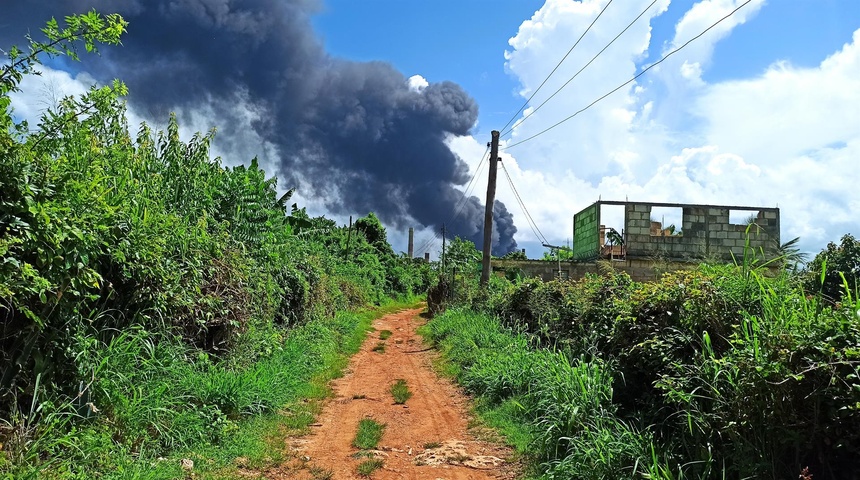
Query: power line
(581, 69)
(556, 67)
(462, 203)
(676, 50)
(529, 219)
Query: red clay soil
(427, 438)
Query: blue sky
(762, 111)
(464, 41)
(673, 136)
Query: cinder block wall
(707, 233)
(640, 270)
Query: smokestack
(411, 241)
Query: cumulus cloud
(786, 137)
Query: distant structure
(645, 247)
(705, 232)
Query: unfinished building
(706, 232)
(639, 239)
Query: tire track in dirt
(437, 413)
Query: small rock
(187, 464)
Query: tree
(462, 254)
(826, 271)
(90, 28)
(374, 231)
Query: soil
(427, 438)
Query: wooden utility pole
(348, 238)
(488, 215)
(443, 247)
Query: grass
(367, 467)
(554, 410)
(400, 391)
(432, 445)
(385, 334)
(369, 434)
(318, 473)
(275, 397)
(379, 347)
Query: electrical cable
(580, 70)
(529, 219)
(458, 209)
(556, 67)
(676, 50)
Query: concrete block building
(645, 247)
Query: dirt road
(427, 438)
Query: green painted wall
(586, 233)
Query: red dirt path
(437, 412)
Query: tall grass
(156, 397)
(564, 404)
(723, 372)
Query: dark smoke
(351, 134)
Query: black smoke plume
(352, 134)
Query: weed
(319, 473)
(385, 334)
(367, 467)
(368, 435)
(362, 454)
(400, 391)
(379, 347)
(431, 445)
(457, 458)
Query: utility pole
(488, 215)
(348, 238)
(443, 247)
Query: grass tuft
(379, 348)
(367, 467)
(400, 392)
(385, 334)
(368, 435)
(318, 473)
(432, 445)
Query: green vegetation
(400, 391)
(379, 347)
(385, 334)
(841, 267)
(369, 434)
(367, 467)
(432, 445)
(318, 473)
(155, 302)
(721, 372)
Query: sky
(763, 110)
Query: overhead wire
(514, 116)
(635, 77)
(529, 219)
(526, 117)
(459, 208)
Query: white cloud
(787, 137)
(417, 83)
